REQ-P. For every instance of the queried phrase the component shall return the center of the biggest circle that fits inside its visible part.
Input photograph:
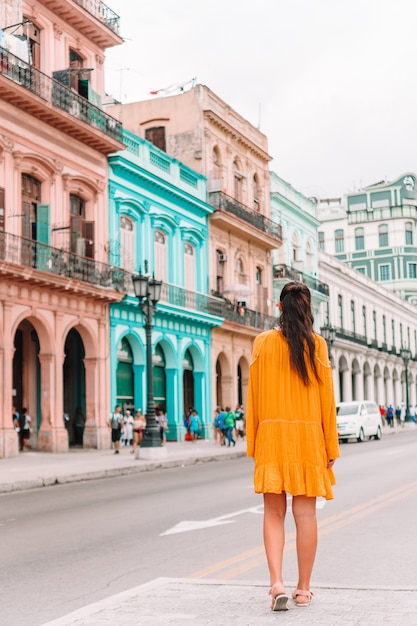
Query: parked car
(358, 419)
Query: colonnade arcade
(363, 377)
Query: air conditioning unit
(222, 258)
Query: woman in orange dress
(292, 434)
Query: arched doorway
(188, 381)
(27, 375)
(74, 380)
(124, 376)
(159, 379)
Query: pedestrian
(229, 425)
(291, 432)
(398, 415)
(115, 423)
(382, 413)
(195, 426)
(413, 411)
(402, 414)
(390, 416)
(240, 421)
(24, 429)
(128, 428)
(79, 424)
(139, 425)
(222, 428)
(163, 426)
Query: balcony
(190, 300)
(48, 100)
(342, 333)
(284, 272)
(25, 260)
(264, 229)
(94, 19)
(248, 317)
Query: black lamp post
(328, 332)
(148, 292)
(405, 354)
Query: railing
(342, 333)
(283, 271)
(28, 253)
(53, 92)
(177, 296)
(220, 200)
(102, 12)
(248, 317)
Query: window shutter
(42, 223)
(88, 234)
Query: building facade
(297, 258)
(374, 230)
(207, 135)
(371, 326)
(159, 226)
(55, 281)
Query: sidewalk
(32, 469)
(187, 602)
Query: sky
(331, 83)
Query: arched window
(258, 276)
(216, 167)
(189, 266)
(339, 240)
(238, 181)
(309, 257)
(383, 235)
(409, 235)
(294, 247)
(359, 239)
(127, 244)
(255, 189)
(82, 231)
(161, 256)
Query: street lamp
(148, 292)
(328, 332)
(405, 354)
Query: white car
(358, 419)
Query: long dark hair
(296, 323)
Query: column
(9, 446)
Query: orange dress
(291, 428)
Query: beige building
(205, 133)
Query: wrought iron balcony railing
(248, 317)
(177, 296)
(342, 333)
(18, 251)
(220, 200)
(102, 12)
(283, 271)
(56, 94)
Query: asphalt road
(66, 546)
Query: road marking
(256, 557)
(186, 526)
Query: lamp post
(148, 292)
(405, 354)
(328, 332)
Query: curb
(48, 481)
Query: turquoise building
(158, 225)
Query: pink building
(55, 283)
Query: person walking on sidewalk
(115, 424)
(24, 429)
(139, 425)
(229, 425)
(291, 432)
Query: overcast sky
(332, 83)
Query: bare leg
(304, 511)
(275, 507)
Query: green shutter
(42, 223)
